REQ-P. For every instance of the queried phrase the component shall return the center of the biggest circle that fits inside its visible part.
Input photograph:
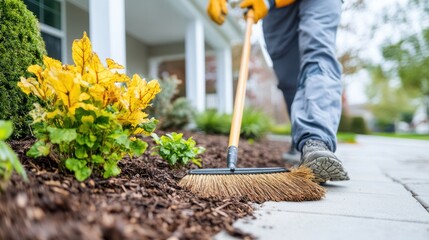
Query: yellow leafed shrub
(89, 112)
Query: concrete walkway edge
(386, 198)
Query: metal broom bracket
(231, 158)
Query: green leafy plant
(21, 45)
(384, 125)
(358, 125)
(176, 150)
(8, 159)
(345, 122)
(88, 121)
(181, 114)
(172, 113)
(212, 122)
(255, 124)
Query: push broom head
(255, 184)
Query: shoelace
(312, 144)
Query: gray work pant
(300, 39)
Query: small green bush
(345, 123)
(358, 125)
(8, 159)
(176, 150)
(384, 126)
(212, 122)
(181, 114)
(21, 45)
(255, 124)
(407, 117)
(172, 113)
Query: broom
(255, 184)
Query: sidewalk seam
(408, 189)
(350, 216)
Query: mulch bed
(143, 202)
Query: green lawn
(280, 129)
(284, 129)
(346, 137)
(403, 135)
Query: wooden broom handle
(237, 115)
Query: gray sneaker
(325, 165)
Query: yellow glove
(283, 3)
(217, 10)
(261, 7)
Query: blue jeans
(300, 39)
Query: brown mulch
(143, 202)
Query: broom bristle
(296, 185)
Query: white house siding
(108, 30)
(137, 57)
(165, 50)
(77, 21)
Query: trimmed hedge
(358, 125)
(21, 45)
(345, 123)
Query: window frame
(59, 33)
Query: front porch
(142, 35)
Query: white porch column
(195, 65)
(224, 83)
(107, 29)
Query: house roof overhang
(165, 21)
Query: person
(300, 36)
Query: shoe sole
(327, 169)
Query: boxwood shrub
(21, 45)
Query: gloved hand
(261, 7)
(217, 10)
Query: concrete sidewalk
(386, 198)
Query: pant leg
(317, 105)
(281, 37)
(287, 71)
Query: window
(50, 14)
(47, 11)
(53, 45)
